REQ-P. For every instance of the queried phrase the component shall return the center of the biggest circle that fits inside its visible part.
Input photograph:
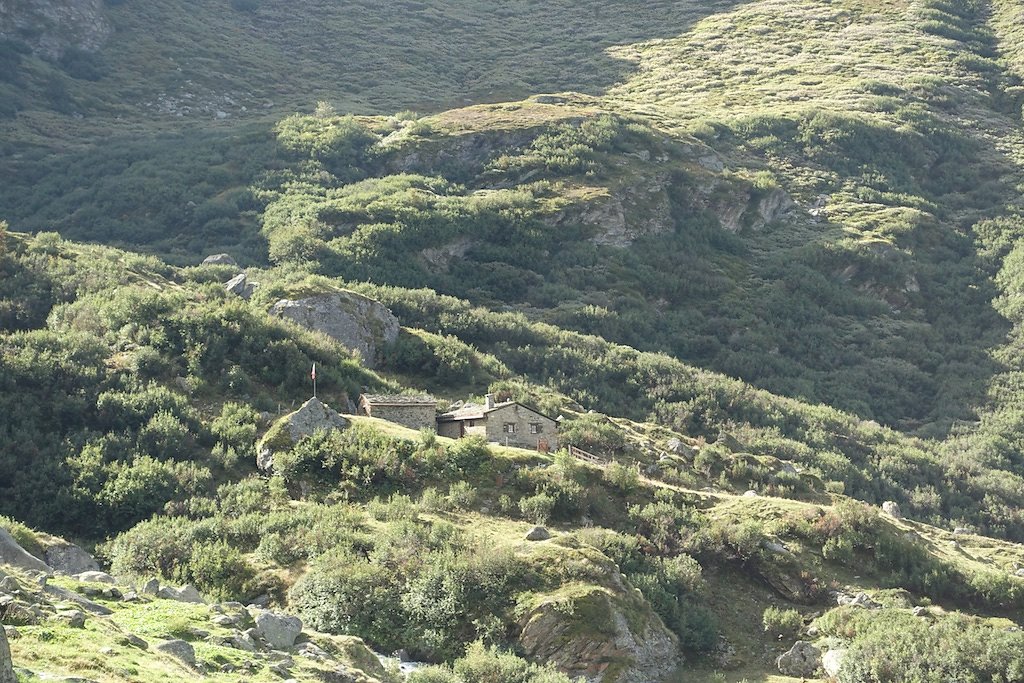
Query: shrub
(537, 508)
(462, 495)
(622, 477)
(781, 623)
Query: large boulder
(356, 322)
(186, 593)
(70, 559)
(803, 660)
(180, 650)
(95, 577)
(219, 260)
(313, 416)
(604, 632)
(239, 285)
(6, 666)
(832, 661)
(892, 509)
(14, 555)
(278, 630)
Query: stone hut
(415, 412)
(508, 423)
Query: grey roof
(397, 400)
(475, 411)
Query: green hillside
(763, 258)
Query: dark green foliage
(890, 645)
(420, 588)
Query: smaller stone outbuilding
(509, 423)
(414, 412)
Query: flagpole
(313, 373)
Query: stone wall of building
(522, 435)
(411, 416)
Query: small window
(471, 423)
(535, 428)
(509, 428)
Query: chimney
(489, 401)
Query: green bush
(537, 508)
(781, 623)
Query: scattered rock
(13, 554)
(151, 587)
(356, 322)
(219, 260)
(860, 600)
(960, 530)
(832, 661)
(751, 494)
(677, 447)
(775, 547)
(95, 577)
(6, 665)
(133, 640)
(1019, 572)
(243, 641)
(186, 593)
(52, 28)
(892, 509)
(18, 613)
(70, 559)
(180, 650)
(239, 285)
(538, 533)
(73, 618)
(803, 660)
(921, 612)
(279, 630)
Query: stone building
(508, 423)
(415, 412)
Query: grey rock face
(13, 554)
(892, 509)
(677, 447)
(52, 27)
(279, 630)
(180, 650)
(859, 600)
(6, 666)
(239, 285)
(219, 260)
(356, 322)
(802, 660)
(538, 533)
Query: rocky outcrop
(624, 214)
(538, 533)
(607, 633)
(14, 555)
(6, 665)
(356, 322)
(892, 509)
(68, 558)
(313, 416)
(52, 27)
(803, 660)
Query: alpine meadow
(452, 341)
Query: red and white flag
(312, 373)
